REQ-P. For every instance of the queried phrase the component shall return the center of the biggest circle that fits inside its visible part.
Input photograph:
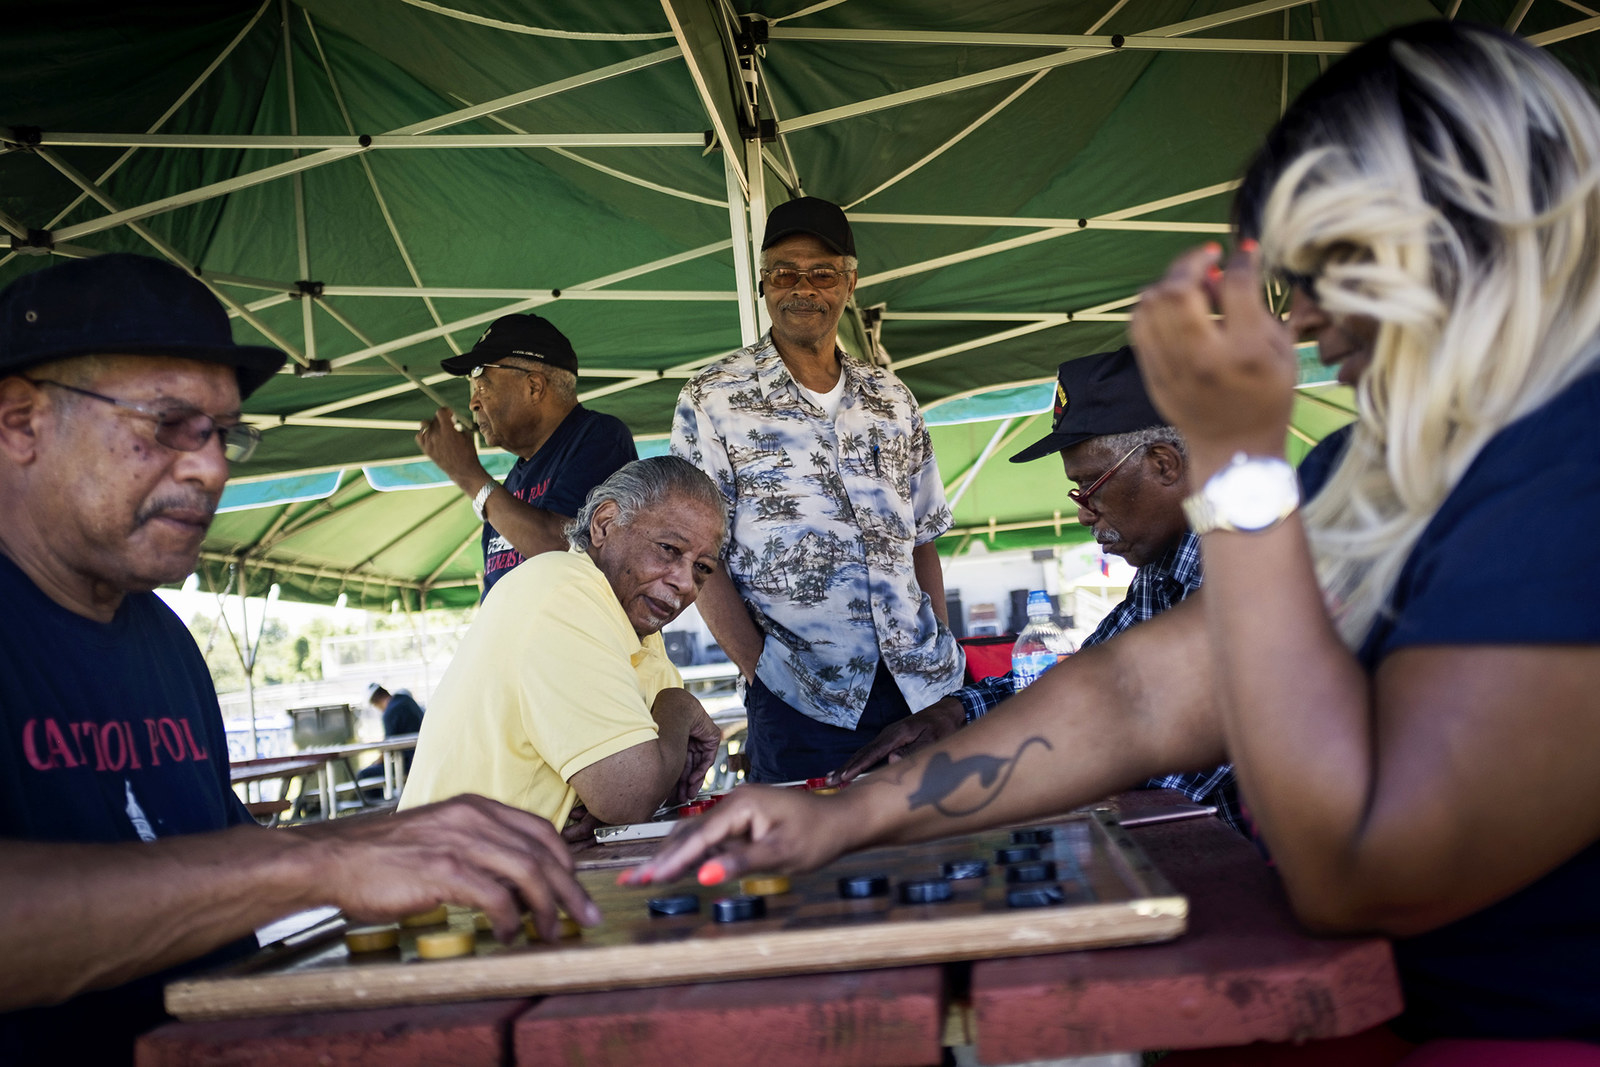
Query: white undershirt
(829, 401)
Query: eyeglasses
(477, 372)
(183, 428)
(789, 277)
(1081, 496)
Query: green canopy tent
(367, 183)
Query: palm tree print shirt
(822, 517)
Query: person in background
(561, 694)
(832, 604)
(401, 715)
(1130, 472)
(523, 377)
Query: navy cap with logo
(120, 304)
(808, 214)
(522, 336)
(1095, 396)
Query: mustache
(1107, 536)
(801, 304)
(190, 507)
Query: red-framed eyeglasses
(1081, 496)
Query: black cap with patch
(822, 219)
(521, 336)
(1095, 396)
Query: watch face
(1254, 494)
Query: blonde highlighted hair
(1443, 180)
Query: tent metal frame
(728, 78)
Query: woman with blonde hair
(1414, 722)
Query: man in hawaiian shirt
(1131, 472)
(832, 600)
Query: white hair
(1150, 435)
(642, 484)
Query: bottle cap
(1039, 605)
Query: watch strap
(482, 499)
(1198, 510)
(1206, 510)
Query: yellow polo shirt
(549, 679)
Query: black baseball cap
(1095, 396)
(820, 218)
(523, 336)
(121, 304)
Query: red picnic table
(1243, 972)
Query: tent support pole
(742, 274)
(472, 539)
(620, 175)
(162, 120)
(172, 254)
(307, 326)
(971, 474)
(383, 209)
(1045, 235)
(333, 155)
(522, 305)
(421, 385)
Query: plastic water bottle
(1041, 645)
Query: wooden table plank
(860, 1019)
(1244, 971)
(422, 1035)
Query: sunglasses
(789, 277)
(1291, 279)
(180, 427)
(1081, 496)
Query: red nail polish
(1214, 249)
(1214, 272)
(712, 872)
(1249, 246)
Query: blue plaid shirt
(1154, 589)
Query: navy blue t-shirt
(586, 449)
(109, 732)
(1529, 965)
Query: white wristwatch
(1250, 494)
(482, 498)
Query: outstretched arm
(1397, 801)
(79, 917)
(1103, 720)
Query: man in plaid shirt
(1129, 468)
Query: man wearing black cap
(1129, 469)
(523, 377)
(126, 853)
(833, 604)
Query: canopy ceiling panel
(368, 183)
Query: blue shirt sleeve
(601, 447)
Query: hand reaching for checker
(1226, 383)
(757, 828)
(468, 851)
